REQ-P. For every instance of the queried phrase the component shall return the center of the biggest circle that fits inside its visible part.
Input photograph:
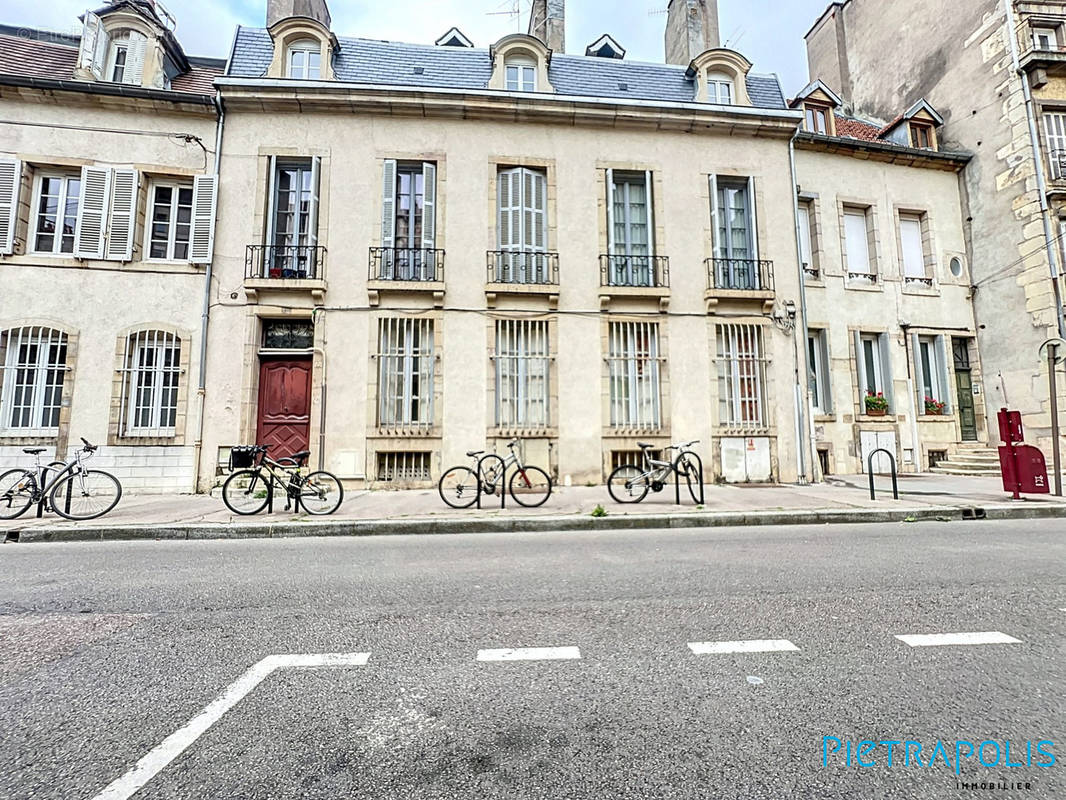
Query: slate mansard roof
(383, 63)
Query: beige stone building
(995, 71)
(106, 194)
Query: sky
(768, 32)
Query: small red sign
(1024, 470)
(1010, 426)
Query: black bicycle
(72, 491)
(249, 491)
(631, 484)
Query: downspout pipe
(205, 314)
(1038, 159)
(805, 443)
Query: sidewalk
(843, 499)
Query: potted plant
(933, 407)
(876, 404)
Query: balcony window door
(857, 245)
(293, 235)
(408, 223)
(1055, 129)
(735, 246)
(910, 236)
(630, 229)
(522, 228)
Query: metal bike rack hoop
(503, 476)
(870, 470)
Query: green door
(964, 383)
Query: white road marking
(174, 745)
(942, 639)
(529, 654)
(750, 646)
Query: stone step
(963, 468)
(975, 458)
(944, 469)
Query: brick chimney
(691, 29)
(547, 21)
(282, 9)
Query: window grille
(34, 370)
(405, 373)
(741, 376)
(151, 370)
(522, 361)
(632, 457)
(404, 467)
(634, 367)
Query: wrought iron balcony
(811, 272)
(417, 264)
(740, 275)
(634, 271)
(281, 262)
(918, 280)
(523, 267)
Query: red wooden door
(284, 405)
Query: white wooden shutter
(312, 212)
(89, 233)
(10, 183)
(122, 215)
(272, 190)
(536, 200)
(202, 234)
(100, 52)
(648, 193)
(718, 246)
(919, 373)
(883, 344)
(753, 223)
(805, 235)
(91, 31)
(503, 209)
(388, 204)
(429, 205)
(610, 211)
(942, 371)
(134, 71)
(910, 235)
(860, 370)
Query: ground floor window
(34, 370)
(522, 363)
(634, 373)
(741, 376)
(151, 368)
(405, 372)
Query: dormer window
(817, 118)
(922, 136)
(720, 89)
(521, 74)
(305, 60)
(116, 62)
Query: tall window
(1055, 130)
(720, 88)
(931, 374)
(405, 373)
(818, 377)
(294, 219)
(734, 243)
(151, 371)
(806, 238)
(34, 371)
(408, 223)
(634, 364)
(170, 215)
(55, 215)
(741, 376)
(305, 60)
(521, 74)
(630, 229)
(857, 244)
(872, 366)
(522, 229)
(522, 363)
(910, 236)
(817, 118)
(116, 66)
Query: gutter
(107, 89)
(821, 142)
(805, 441)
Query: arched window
(151, 367)
(125, 57)
(521, 74)
(720, 88)
(305, 60)
(34, 369)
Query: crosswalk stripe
(944, 639)
(749, 646)
(529, 654)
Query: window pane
(858, 246)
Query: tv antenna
(512, 9)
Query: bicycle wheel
(245, 492)
(18, 487)
(530, 486)
(85, 495)
(458, 487)
(321, 493)
(628, 484)
(687, 469)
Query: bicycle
(74, 492)
(629, 484)
(529, 486)
(249, 491)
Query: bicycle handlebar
(89, 448)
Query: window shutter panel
(650, 194)
(272, 178)
(539, 237)
(123, 215)
(805, 235)
(429, 205)
(717, 245)
(919, 373)
(609, 180)
(753, 224)
(517, 233)
(503, 217)
(99, 62)
(942, 369)
(860, 369)
(92, 212)
(826, 372)
(388, 204)
(134, 71)
(886, 371)
(10, 182)
(91, 31)
(312, 212)
(204, 201)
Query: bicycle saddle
(644, 445)
(33, 451)
(473, 453)
(301, 456)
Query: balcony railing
(811, 272)
(636, 271)
(918, 280)
(422, 264)
(740, 274)
(298, 262)
(1057, 165)
(862, 277)
(523, 266)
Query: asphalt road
(108, 649)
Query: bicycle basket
(241, 457)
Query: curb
(538, 524)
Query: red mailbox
(1023, 466)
